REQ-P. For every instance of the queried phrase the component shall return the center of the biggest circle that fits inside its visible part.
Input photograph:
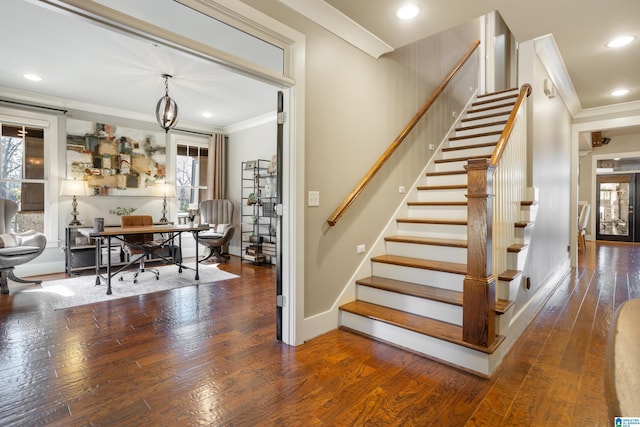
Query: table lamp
(164, 190)
(74, 188)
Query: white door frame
(242, 16)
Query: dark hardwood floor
(206, 355)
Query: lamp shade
(164, 189)
(72, 187)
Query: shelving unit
(257, 212)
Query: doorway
(616, 200)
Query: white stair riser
(516, 260)
(483, 129)
(443, 231)
(450, 212)
(495, 101)
(482, 121)
(432, 252)
(444, 195)
(475, 140)
(493, 96)
(523, 235)
(439, 279)
(474, 113)
(432, 347)
(451, 166)
(508, 289)
(528, 213)
(468, 152)
(458, 179)
(422, 307)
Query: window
(191, 175)
(22, 174)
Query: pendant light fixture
(166, 109)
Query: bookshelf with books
(257, 211)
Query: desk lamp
(165, 190)
(74, 188)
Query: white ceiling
(82, 63)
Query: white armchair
(218, 213)
(16, 248)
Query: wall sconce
(549, 89)
(164, 190)
(73, 188)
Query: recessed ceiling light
(620, 92)
(408, 11)
(621, 41)
(207, 114)
(32, 77)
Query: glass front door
(615, 207)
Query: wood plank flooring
(206, 355)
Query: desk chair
(16, 248)
(139, 245)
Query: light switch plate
(313, 198)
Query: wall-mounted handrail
(341, 209)
(525, 91)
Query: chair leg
(4, 284)
(20, 280)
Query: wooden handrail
(340, 210)
(525, 91)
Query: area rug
(82, 290)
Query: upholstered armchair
(218, 213)
(16, 248)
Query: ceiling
(84, 64)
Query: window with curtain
(191, 175)
(22, 174)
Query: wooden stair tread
(413, 289)
(522, 224)
(508, 275)
(481, 125)
(484, 95)
(442, 187)
(462, 159)
(528, 203)
(432, 221)
(427, 241)
(476, 135)
(515, 248)
(503, 305)
(426, 264)
(492, 107)
(459, 172)
(496, 99)
(436, 203)
(422, 325)
(484, 116)
(469, 147)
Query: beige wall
(355, 107)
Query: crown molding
(341, 25)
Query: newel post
(479, 296)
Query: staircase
(413, 298)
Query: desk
(118, 233)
